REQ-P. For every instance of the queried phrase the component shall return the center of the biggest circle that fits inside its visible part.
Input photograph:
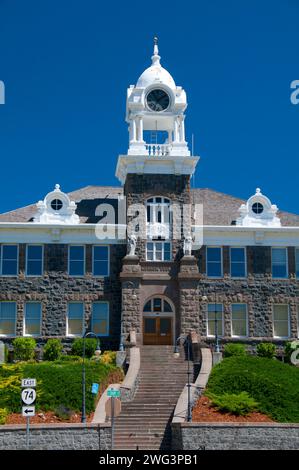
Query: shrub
(3, 415)
(237, 404)
(58, 383)
(24, 348)
(289, 348)
(63, 358)
(234, 349)
(109, 357)
(90, 347)
(266, 350)
(273, 384)
(10, 391)
(52, 350)
(61, 383)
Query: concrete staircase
(144, 423)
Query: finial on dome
(155, 57)
(156, 50)
(258, 191)
(57, 187)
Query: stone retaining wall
(235, 436)
(56, 437)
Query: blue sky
(66, 65)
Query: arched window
(158, 217)
(158, 210)
(157, 305)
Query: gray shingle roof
(218, 208)
(222, 209)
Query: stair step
(144, 422)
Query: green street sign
(112, 392)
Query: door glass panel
(165, 326)
(149, 325)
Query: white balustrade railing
(157, 150)
(156, 229)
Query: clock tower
(155, 114)
(156, 172)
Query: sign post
(113, 409)
(28, 396)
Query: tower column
(176, 130)
(140, 129)
(133, 131)
(182, 129)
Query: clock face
(158, 100)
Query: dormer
(258, 212)
(56, 208)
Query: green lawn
(274, 385)
(58, 384)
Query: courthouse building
(228, 266)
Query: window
(279, 263)
(214, 262)
(281, 323)
(9, 260)
(100, 261)
(297, 263)
(239, 320)
(34, 260)
(215, 319)
(257, 208)
(158, 210)
(32, 319)
(158, 251)
(157, 304)
(75, 319)
(8, 313)
(100, 318)
(237, 262)
(56, 204)
(77, 260)
(158, 218)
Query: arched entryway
(158, 321)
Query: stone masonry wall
(237, 436)
(56, 288)
(138, 188)
(56, 437)
(258, 290)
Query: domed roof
(155, 74)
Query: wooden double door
(157, 330)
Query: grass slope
(274, 385)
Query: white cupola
(156, 105)
(56, 208)
(258, 212)
(155, 114)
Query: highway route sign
(28, 411)
(28, 383)
(28, 396)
